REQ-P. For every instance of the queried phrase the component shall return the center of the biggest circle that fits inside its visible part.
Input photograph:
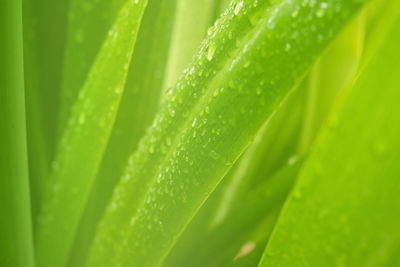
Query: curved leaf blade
(88, 24)
(89, 127)
(348, 198)
(139, 104)
(156, 198)
(16, 244)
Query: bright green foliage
(324, 222)
(275, 144)
(74, 169)
(15, 223)
(43, 52)
(139, 103)
(88, 24)
(211, 133)
(193, 18)
(251, 219)
(197, 123)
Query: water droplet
(211, 51)
(210, 30)
(292, 160)
(118, 90)
(288, 47)
(159, 178)
(81, 119)
(194, 122)
(238, 7)
(215, 93)
(214, 154)
(322, 9)
(168, 141)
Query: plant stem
(16, 246)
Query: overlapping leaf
(85, 139)
(199, 132)
(344, 208)
(16, 242)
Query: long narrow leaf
(16, 244)
(89, 126)
(344, 210)
(88, 24)
(199, 133)
(139, 104)
(220, 244)
(192, 19)
(36, 124)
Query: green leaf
(49, 25)
(16, 244)
(344, 209)
(88, 24)
(89, 127)
(139, 103)
(249, 221)
(271, 149)
(192, 19)
(329, 76)
(274, 146)
(37, 136)
(199, 133)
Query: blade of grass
(88, 24)
(16, 245)
(138, 106)
(192, 19)
(85, 139)
(251, 170)
(219, 244)
(176, 147)
(270, 150)
(124, 215)
(331, 73)
(51, 18)
(347, 193)
(38, 150)
(272, 147)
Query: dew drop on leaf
(194, 122)
(81, 119)
(214, 154)
(211, 51)
(295, 13)
(238, 7)
(322, 9)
